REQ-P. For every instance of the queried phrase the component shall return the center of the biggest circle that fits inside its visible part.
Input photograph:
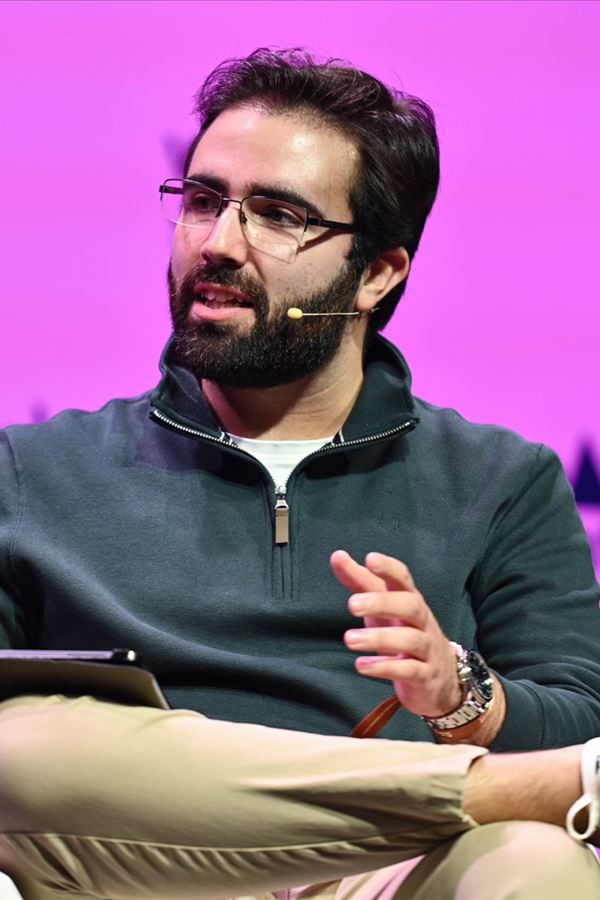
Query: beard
(275, 350)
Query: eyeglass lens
(273, 226)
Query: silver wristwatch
(478, 691)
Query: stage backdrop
(501, 315)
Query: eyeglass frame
(310, 220)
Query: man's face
(243, 337)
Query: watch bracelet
(470, 706)
(457, 735)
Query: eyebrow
(274, 191)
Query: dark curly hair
(394, 132)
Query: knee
(28, 741)
(511, 861)
(529, 860)
(46, 749)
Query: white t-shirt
(279, 457)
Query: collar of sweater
(384, 404)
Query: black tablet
(116, 675)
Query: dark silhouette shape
(586, 480)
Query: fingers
(390, 641)
(394, 573)
(389, 595)
(379, 573)
(354, 576)
(404, 640)
(409, 607)
(413, 673)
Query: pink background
(501, 315)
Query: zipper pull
(282, 518)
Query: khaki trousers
(99, 800)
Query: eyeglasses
(274, 227)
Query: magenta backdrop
(501, 315)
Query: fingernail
(374, 560)
(356, 638)
(358, 604)
(363, 663)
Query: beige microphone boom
(295, 313)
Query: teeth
(220, 297)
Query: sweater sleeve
(12, 624)
(536, 603)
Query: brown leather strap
(374, 721)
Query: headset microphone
(295, 313)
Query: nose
(225, 243)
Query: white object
(8, 891)
(590, 799)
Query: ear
(383, 274)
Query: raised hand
(401, 637)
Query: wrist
(483, 730)
(476, 707)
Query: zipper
(281, 508)
(177, 426)
(282, 517)
(406, 426)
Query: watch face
(480, 676)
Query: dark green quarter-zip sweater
(141, 526)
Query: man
(195, 525)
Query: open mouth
(217, 297)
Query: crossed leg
(99, 800)
(502, 861)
